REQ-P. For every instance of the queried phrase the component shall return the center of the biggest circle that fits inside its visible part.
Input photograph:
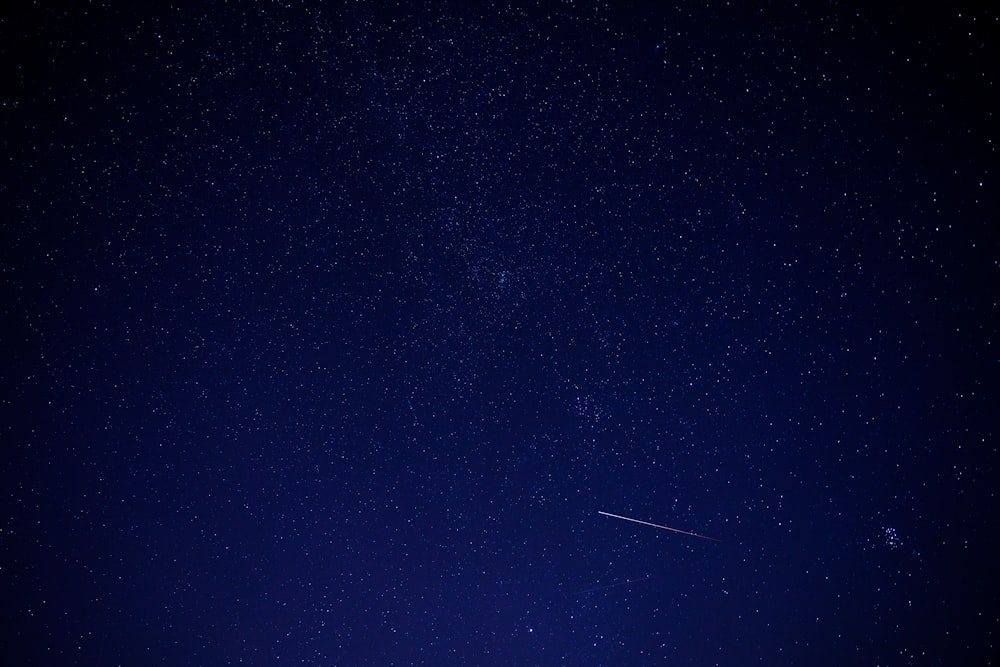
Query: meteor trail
(656, 525)
(627, 582)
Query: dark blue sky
(329, 330)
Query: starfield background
(329, 328)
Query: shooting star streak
(656, 525)
(627, 582)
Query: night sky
(329, 329)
